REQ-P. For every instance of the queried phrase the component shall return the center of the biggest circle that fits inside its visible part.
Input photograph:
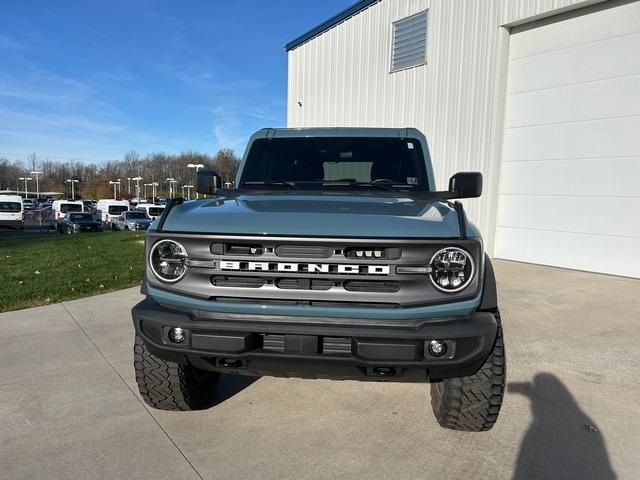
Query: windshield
(155, 211)
(70, 207)
(136, 215)
(12, 207)
(117, 209)
(328, 162)
(76, 217)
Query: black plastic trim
(489, 301)
(388, 344)
(165, 213)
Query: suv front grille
(315, 271)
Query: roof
(333, 21)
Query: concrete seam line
(132, 392)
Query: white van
(60, 207)
(154, 211)
(11, 211)
(110, 208)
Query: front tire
(171, 386)
(472, 403)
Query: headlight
(452, 269)
(168, 260)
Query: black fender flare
(489, 300)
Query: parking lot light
(196, 166)
(26, 179)
(115, 186)
(73, 191)
(36, 173)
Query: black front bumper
(311, 347)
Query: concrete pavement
(69, 406)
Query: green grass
(43, 269)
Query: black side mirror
(208, 182)
(466, 185)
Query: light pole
(37, 174)
(129, 184)
(144, 189)
(188, 187)
(137, 179)
(115, 185)
(196, 166)
(73, 190)
(26, 179)
(171, 181)
(153, 190)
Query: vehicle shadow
(562, 441)
(230, 385)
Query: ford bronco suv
(334, 257)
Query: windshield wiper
(269, 183)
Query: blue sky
(90, 80)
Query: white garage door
(570, 174)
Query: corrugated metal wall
(342, 78)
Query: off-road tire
(472, 403)
(172, 386)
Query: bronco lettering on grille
(304, 268)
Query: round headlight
(168, 260)
(452, 269)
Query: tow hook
(231, 363)
(382, 371)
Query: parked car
(28, 204)
(61, 207)
(131, 220)
(110, 208)
(154, 211)
(11, 211)
(336, 257)
(76, 222)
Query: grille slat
(303, 284)
(379, 287)
(237, 281)
(303, 251)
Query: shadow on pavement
(562, 441)
(231, 385)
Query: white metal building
(542, 96)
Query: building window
(409, 42)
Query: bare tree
(226, 164)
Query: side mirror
(466, 185)
(208, 182)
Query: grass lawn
(48, 268)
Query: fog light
(437, 348)
(176, 335)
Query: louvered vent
(409, 42)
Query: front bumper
(311, 347)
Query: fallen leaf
(590, 428)
(73, 289)
(37, 272)
(101, 286)
(20, 282)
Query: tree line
(93, 178)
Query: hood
(140, 221)
(332, 214)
